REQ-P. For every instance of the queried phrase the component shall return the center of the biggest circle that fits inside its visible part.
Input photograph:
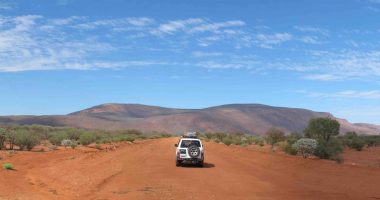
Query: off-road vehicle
(189, 150)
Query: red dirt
(367, 157)
(146, 170)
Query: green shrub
(87, 138)
(259, 141)
(3, 138)
(129, 132)
(220, 136)
(73, 144)
(293, 138)
(290, 149)
(73, 133)
(282, 145)
(227, 141)
(57, 137)
(11, 138)
(306, 146)
(26, 140)
(372, 140)
(357, 143)
(249, 139)
(237, 140)
(244, 145)
(328, 150)
(274, 136)
(353, 141)
(8, 166)
(209, 135)
(166, 135)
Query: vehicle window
(187, 143)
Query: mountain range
(248, 118)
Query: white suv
(189, 150)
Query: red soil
(367, 157)
(146, 170)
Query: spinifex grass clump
(8, 166)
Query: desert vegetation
(233, 138)
(8, 166)
(27, 137)
(320, 138)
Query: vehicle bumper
(190, 160)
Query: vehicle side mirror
(176, 145)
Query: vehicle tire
(193, 151)
(178, 163)
(200, 164)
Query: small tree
(26, 140)
(220, 136)
(87, 138)
(274, 136)
(57, 137)
(306, 146)
(352, 140)
(3, 138)
(11, 137)
(322, 129)
(293, 138)
(209, 135)
(73, 133)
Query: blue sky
(61, 56)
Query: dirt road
(146, 170)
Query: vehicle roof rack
(190, 135)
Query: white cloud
(323, 77)
(373, 94)
(215, 27)
(174, 26)
(197, 25)
(206, 41)
(269, 40)
(201, 54)
(310, 39)
(34, 42)
(338, 65)
(120, 22)
(221, 65)
(230, 64)
(25, 45)
(312, 29)
(66, 21)
(347, 94)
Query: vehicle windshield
(187, 143)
